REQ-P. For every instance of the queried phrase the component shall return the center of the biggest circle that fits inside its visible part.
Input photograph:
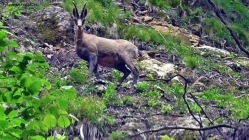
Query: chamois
(107, 52)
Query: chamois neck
(79, 37)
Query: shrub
(79, 75)
(32, 108)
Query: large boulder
(53, 25)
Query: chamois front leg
(96, 72)
(92, 64)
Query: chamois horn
(83, 10)
(76, 9)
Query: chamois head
(79, 19)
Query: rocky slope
(50, 31)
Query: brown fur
(106, 52)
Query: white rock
(217, 50)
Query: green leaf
(29, 55)
(35, 87)
(12, 43)
(8, 137)
(32, 68)
(14, 132)
(53, 109)
(47, 99)
(7, 97)
(25, 81)
(50, 138)
(1, 24)
(55, 92)
(63, 121)
(2, 115)
(49, 120)
(40, 58)
(43, 127)
(17, 122)
(11, 54)
(33, 125)
(13, 114)
(62, 112)
(2, 49)
(3, 34)
(46, 84)
(63, 103)
(7, 64)
(70, 93)
(37, 137)
(3, 124)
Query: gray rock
(53, 25)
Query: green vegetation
(32, 109)
(110, 95)
(237, 12)
(165, 4)
(97, 11)
(79, 75)
(166, 137)
(115, 135)
(91, 109)
(192, 62)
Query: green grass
(165, 4)
(192, 61)
(229, 101)
(98, 11)
(90, 108)
(240, 24)
(79, 75)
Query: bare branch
(185, 128)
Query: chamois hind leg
(133, 69)
(92, 64)
(121, 67)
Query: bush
(28, 107)
(79, 75)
